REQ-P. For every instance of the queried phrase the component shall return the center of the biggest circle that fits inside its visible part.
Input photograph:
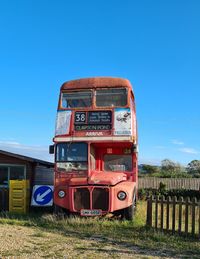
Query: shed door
(7, 173)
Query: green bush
(144, 193)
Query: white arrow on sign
(40, 197)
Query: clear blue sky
(155, 44)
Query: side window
(11, 172)
(116, 163)
(17, 173)
(3, 176)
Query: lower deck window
(118, 163)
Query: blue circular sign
(43, 195)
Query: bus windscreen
(71, 156)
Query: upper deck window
(77, 99)
(111, 97)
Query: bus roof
(96, 82)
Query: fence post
(174, 201)
(180, 215)
(194, 202)
(186, 214)
(161, 212)
(149, 211)
(156, 212)
(199, 216)
(167, 218)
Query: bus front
(96, 148)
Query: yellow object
(19, 196)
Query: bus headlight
(61, 194)
(121, 196)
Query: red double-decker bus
(95, 148)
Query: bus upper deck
(100, 108)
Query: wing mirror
(134, 148)
(51, 149)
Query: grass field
(43, 236)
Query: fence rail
(181, 216)
(171, 183)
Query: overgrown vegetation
(170, 169)
(133, 235)
(162, 191)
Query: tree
(149, 169)
(193, 168)
(172, 169)
(168, 165)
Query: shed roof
(27, 158)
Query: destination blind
(93, 120)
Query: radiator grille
(82, 199)
(100, 199)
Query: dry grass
(40, 236)
(26, 242)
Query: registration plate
(91, 212)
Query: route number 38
(80, 117)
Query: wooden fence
(171, 183)
(177, 216)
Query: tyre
(60, 212)
(130, 211)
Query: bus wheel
(130, 211)
(60, 212)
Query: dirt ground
(29, 242)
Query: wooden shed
(19, 167)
